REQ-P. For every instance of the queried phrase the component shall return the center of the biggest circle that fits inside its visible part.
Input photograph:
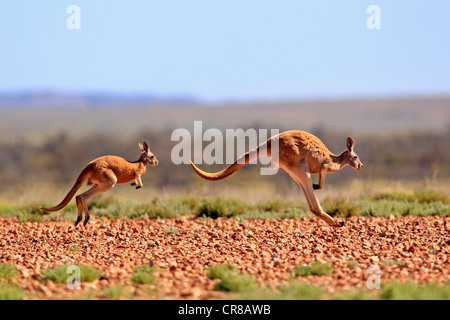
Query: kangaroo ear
(350, 144)
(146, 148)
(141, 147)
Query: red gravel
(406, 248)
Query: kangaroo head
(147, 157)
(350, 157)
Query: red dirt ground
(406, 248)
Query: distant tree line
(59, 159)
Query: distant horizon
(190, 98)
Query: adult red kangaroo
(300, 154)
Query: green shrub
(222, 207)
(191, 203)
(294, 290)
(391, 290)
(229, 280)
(218, 271)
(11, 292)
(301, 291)
(342, 208)
(60, 275)
(162, 209)
(424, 196)
(428, 196)
(7, 271)
(275, 205)
(421, 203)
(412, 291)
(360, 294)
(115, 292)
(316, 268)
(235, 282)
(143, 275)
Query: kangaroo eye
(152, 157)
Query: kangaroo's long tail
(263, 150)
(81, 178)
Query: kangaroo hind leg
(300, 173)
(107, 182)
(80, 204)
(83, 198)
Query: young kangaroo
(103, 174)
(300, 154)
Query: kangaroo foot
(338, 224)
(78, 221)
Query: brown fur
(103, 174)
(300, 154)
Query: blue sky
(219, 50)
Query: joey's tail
(84, 175)
(263, 150)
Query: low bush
(143, 275)
(316, 269)
(60, 274)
